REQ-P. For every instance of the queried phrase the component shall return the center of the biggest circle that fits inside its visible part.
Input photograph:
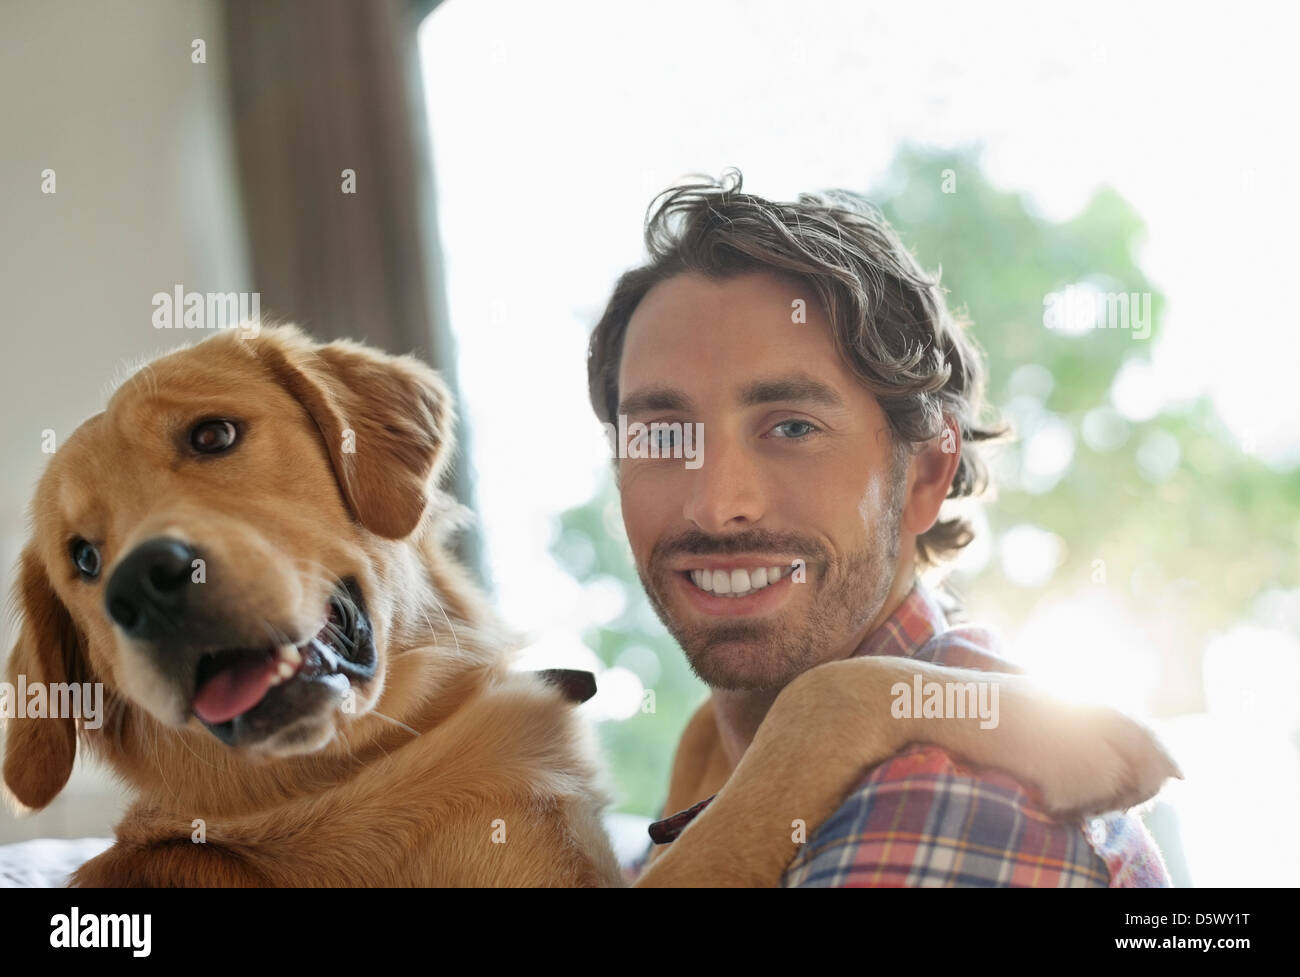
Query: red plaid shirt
(923, 819)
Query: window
(1051, 162)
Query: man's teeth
(735, 583)
(288, 659)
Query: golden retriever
(302, 687)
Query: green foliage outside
(1171, 513)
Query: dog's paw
(1097, 759)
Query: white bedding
(47, 862)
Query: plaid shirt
(922, 819)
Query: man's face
(798, 471)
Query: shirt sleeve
(921, 819)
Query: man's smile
(731, 588)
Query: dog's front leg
(835, 721)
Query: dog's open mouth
(246, 693)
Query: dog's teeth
(275, 679)
(286, 670)
(289, 655)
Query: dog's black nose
(148, 591)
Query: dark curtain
(318, 87)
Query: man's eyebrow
(795, 386)
(655, 398)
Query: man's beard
(767, 653)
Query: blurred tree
(1167, 510)
(1161, 505)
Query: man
(838, 403)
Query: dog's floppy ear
(39, 752)
(387, 422)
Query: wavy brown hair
(890, 319)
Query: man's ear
(39, 752)
(930, 475)
(387, 421)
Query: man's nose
(726, 490)
(148, 592)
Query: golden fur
(452, 769)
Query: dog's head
(225, 547)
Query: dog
(249, 549)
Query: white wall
(106, 95)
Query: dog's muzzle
(242, 694)
(245, 695)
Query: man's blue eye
(804, 426)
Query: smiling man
(840, 405)
(783, 550)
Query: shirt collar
(905, 632)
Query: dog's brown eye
(86, 558)
(210, 437)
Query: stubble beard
(842, 598)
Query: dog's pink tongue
(234, 690)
